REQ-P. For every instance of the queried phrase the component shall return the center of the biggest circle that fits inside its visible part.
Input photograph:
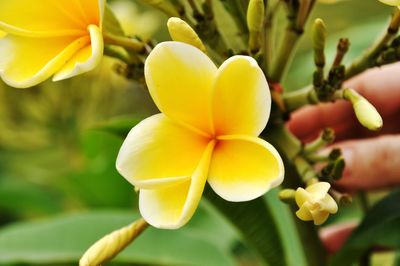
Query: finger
(371, 163)
(333, 237)
(381, 86)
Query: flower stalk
(369, 57)
(125, 42)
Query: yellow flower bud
(180, 31)
(315, 204)
(255, 19)
(365, 112)
(110, 245)
(391, 2)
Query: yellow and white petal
(319, 190)
(304, 213)
(391, 2)
(85, 59)
(179, 77)
(244, 168)
(158, 152)
(24, 17)
(302, 196)
(172, 206)
(25, 61)
(241, 98)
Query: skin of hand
(372, 158)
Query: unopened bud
(365, 112)
(287, 195)
(319, 39)
(110, 245)
(180, 31)
(255, 20)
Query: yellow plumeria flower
(207, 131)
(49, 37)
(391, 2)
(315, 203)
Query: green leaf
(65, 239)
(119, 126)
(380, 227)
(111, 23)
(257, 224)
(23, 198)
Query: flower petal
(48, 17)
(302, 196)
(318, 190)
(241, 100)
(329, 204)
(319, 217)
(29, 61)
(304, 213)
(158, 152)
(179, 77)
(171, 207)
(86, 58)
(244, 168)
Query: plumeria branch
(294, 30)
(368, 59)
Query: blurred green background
(59, 189)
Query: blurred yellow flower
(49, 37)
(315, 203)
(207, 131)
(391, 2)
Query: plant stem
(285, 55)
(128, 43)
(367, 59)
(305, 96)
(290, 147)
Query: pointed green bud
(180, 31)
(255, 21)
(365, 112)
(319, 39)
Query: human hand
(372, 160)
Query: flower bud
(287, 195)
(319, 39)
(255, 20)
(110, 245)
(365, 112)
(315, 204)
(391, 2)
(180, 31)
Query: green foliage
(64, 239)
(261, 222)
(380, 227)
